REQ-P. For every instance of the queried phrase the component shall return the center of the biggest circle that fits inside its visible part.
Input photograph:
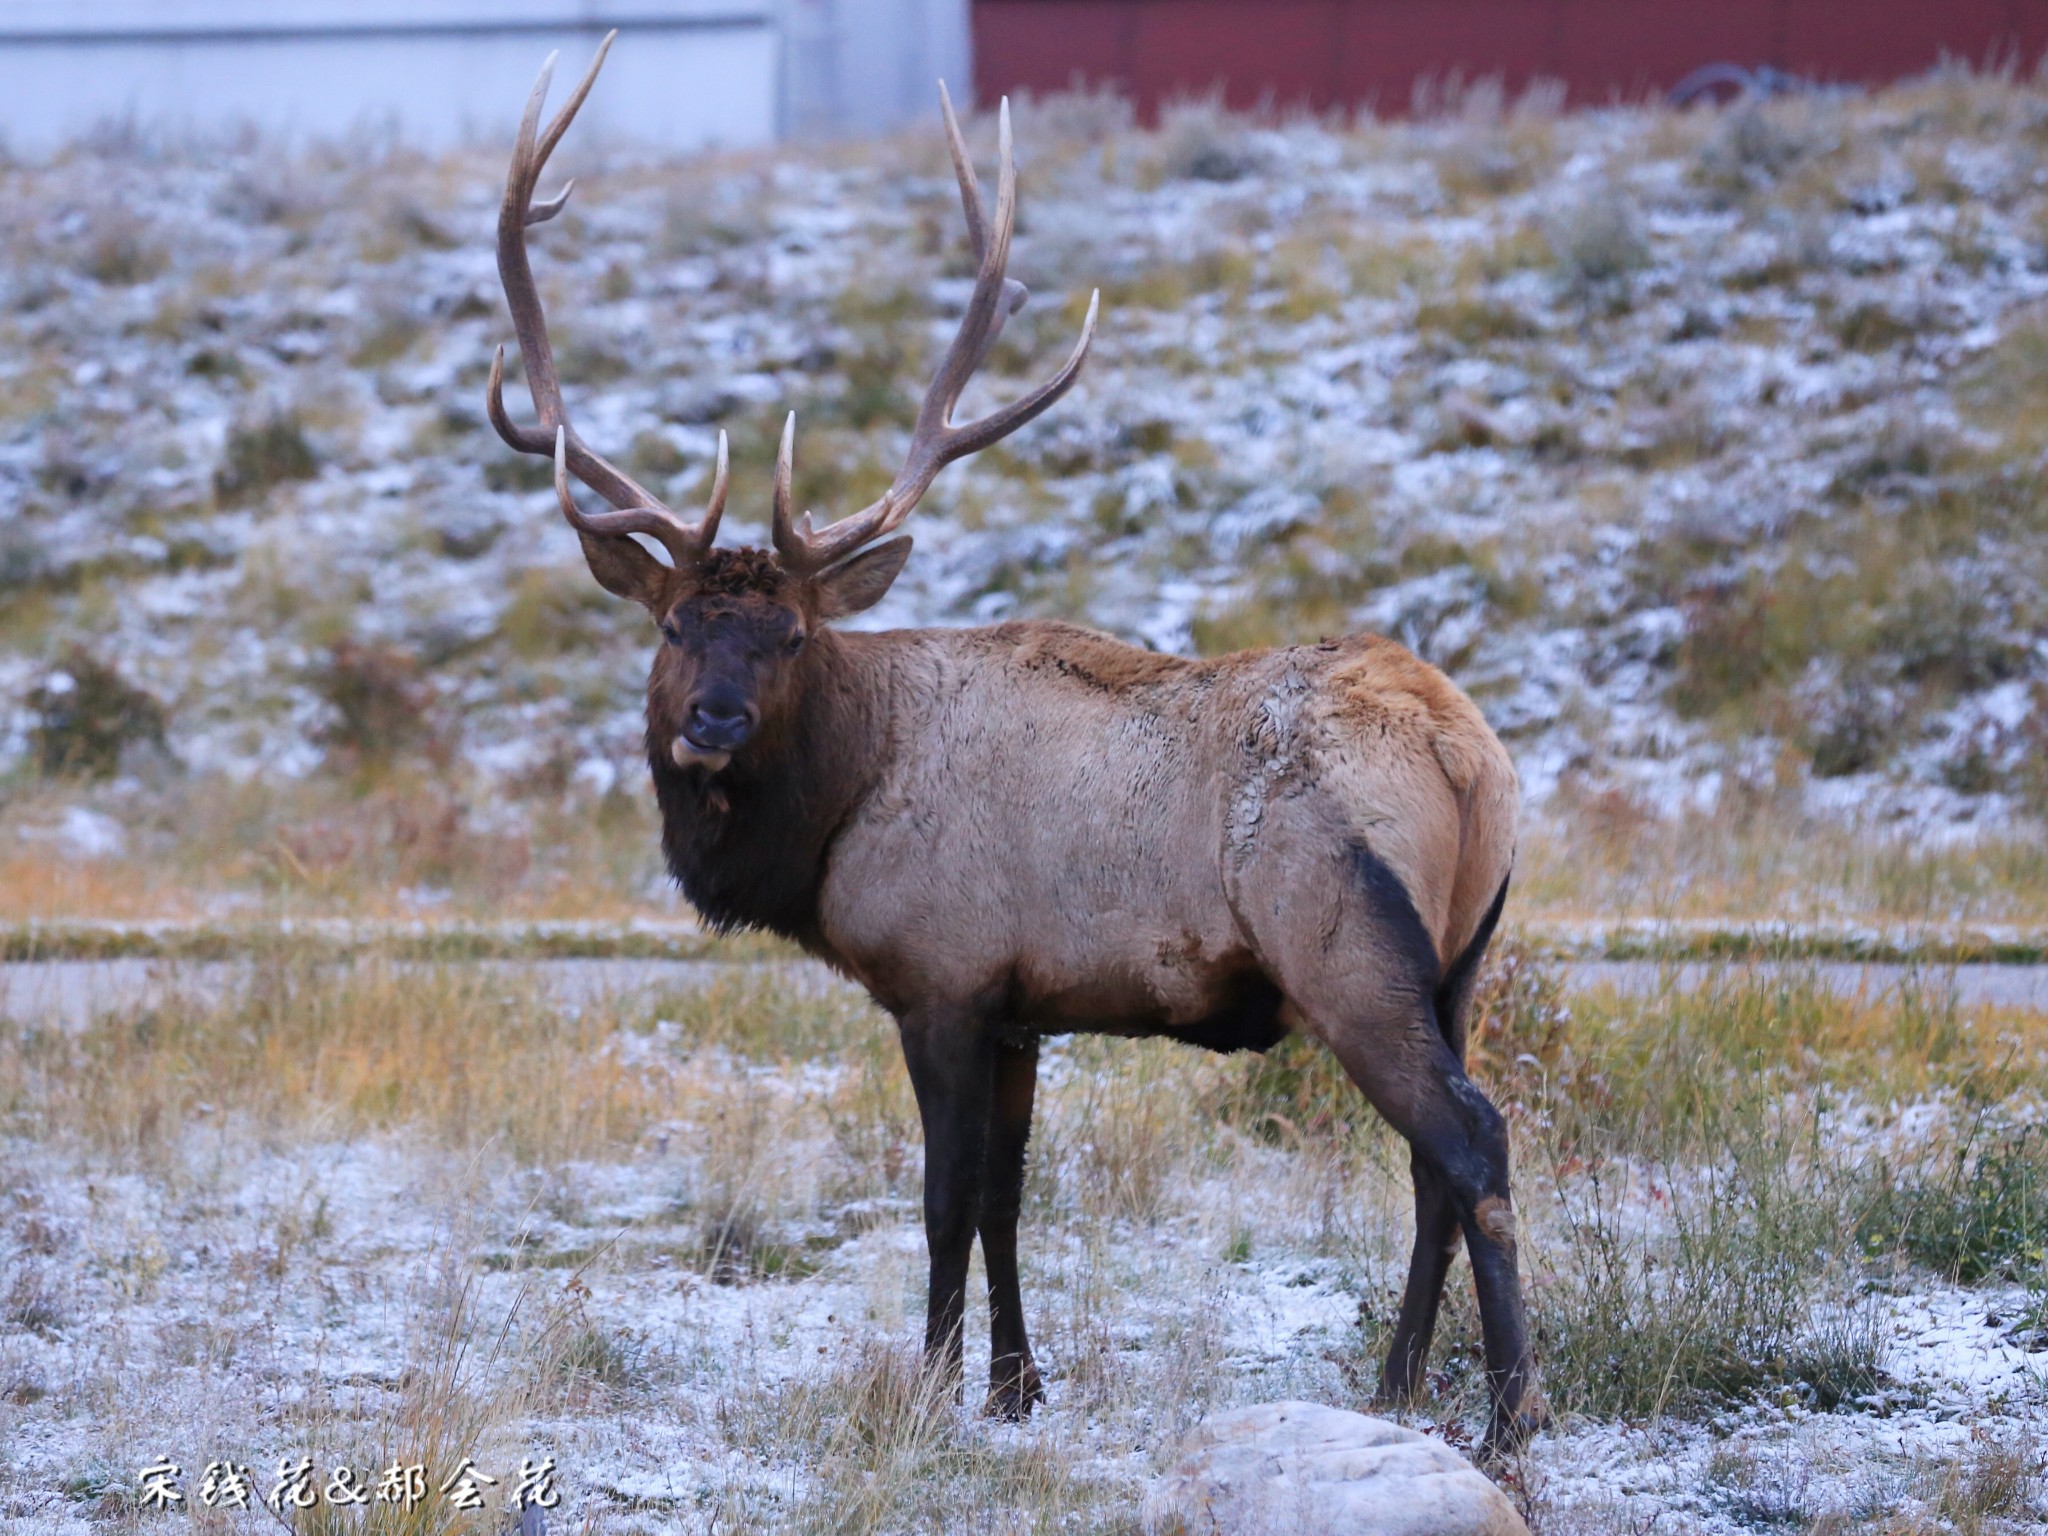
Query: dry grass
(412, 846)
(1685, 1178)
(1488, 288)
(373, 1210)
(467, 1056)
(394, 842)
(1689, 1177)
(779, 1114)
(1757, 857)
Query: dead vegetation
(682, 1225)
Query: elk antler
(934, 441)
(638, 510)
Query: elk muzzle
(716, 724)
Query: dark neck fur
(749, 845)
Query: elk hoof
(1012, 1397)
(1509, 1434)
(1396, 1389)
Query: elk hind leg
(1343, 938)
(1437, 1236)
(1415, 1082)
(1437, 1229)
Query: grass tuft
(262, 454)
(1978, 1212)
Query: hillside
(1704, 449)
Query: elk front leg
(1013, 1384)
(952, 1064)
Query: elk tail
(1454, 992)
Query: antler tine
(985, 311)
(637, 510)
(685, 542)
(525, 439)
(714, 508)
(572, 106)
(963, 169)
(791, 532)
(935, 442)
(1014, 293)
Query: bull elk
(1032, 829)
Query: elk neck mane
(749, 845)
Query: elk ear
(626, 570)
(859, 583)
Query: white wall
(685, 74)
(861, 66)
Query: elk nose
(720, 722)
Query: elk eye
(794, 643)
(670, 633)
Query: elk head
(736, 623)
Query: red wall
(1326, 52)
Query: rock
(1300, 1469)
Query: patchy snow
(241, 1298)
(1527, 393)
(1964, 1388)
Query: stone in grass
(1300, 1469)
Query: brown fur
(1033, 828)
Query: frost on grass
(1783, 1249)
(1703, 448)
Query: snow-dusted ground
(217, 1320)
(1610, 414)
(230, 1293)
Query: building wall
(1345, 52)
(865, 66)
(686, 73)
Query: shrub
(1949, 626)
(738, 1244)
(1598, 245)
(262, 454)
(1202, 142)
(1472, 321)
(1758, 143)
(1739, 636)
(591, 1354)
(1296, 1089)
(116, 252)
(1518, 1031)
(381, 703)
(1980, 1213)
(1722, 1305)
(1849, 722)
(1872, 328)
(87, 715)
